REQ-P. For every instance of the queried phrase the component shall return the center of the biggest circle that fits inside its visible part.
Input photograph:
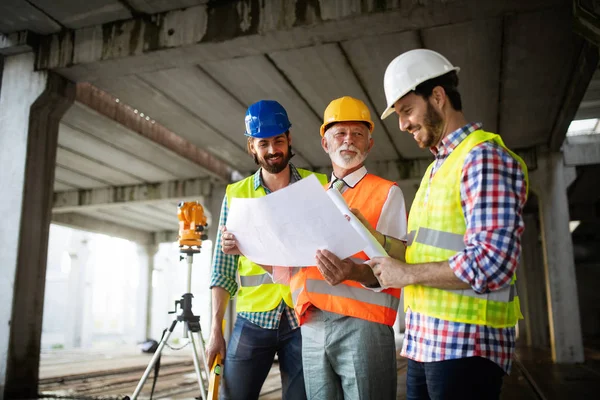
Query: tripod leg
(197, 365)
(140, 385)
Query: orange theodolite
(192, 222)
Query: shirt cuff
(224, 282)
(460, 266)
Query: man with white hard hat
(463, 243)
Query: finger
(332, 258)
(326, 268)
(223, 228)
(210, 355)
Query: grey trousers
(347, 358)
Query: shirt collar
(352, 179)
(450, 142)
(295, 177)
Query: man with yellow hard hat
(348, 347)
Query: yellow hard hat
(346, 109)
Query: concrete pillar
(146, 255)
(79, 254)
(550, 185)
(531, 287)
(31, 106)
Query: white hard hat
(410, 69)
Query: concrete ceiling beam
(95, 225)
(110, 107)
(16, 43)
(239, 28)
(584, 69)
(582, 150)
(151, 193)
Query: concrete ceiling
(518, 65)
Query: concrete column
(31, 105)
(146, 253)
(79, 254)
(531, 287)
(549, 183)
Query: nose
(404, 124)
(349, 138)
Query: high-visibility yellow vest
(257, 291)
(436, 232)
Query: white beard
(347, 161)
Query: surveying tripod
(192, 223)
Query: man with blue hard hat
(266, 324)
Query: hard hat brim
(390, 107)
(326, 126)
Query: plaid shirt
(225, 268)
(493, 194)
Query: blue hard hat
(265, 119)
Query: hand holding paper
(287, 227)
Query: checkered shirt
(493, 193)
(225, 268)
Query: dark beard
(275, 168)
(433, 123)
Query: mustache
(270, 156)
(349, 147)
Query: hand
(216, 345)
(333, 269)
(391, 273)
(228, 243)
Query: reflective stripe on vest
(255, 280)
(455, 242)
(365, 296)
(435, 238)
(504, 295)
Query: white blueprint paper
(287, 227)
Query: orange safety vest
(350, 297)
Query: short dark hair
(447, 81)
(249, 150)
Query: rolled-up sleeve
(493, 194)
(224, 270)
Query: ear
(371, 143)
(289, 138)
(251, 146)
(324, 144)
(438, 97)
